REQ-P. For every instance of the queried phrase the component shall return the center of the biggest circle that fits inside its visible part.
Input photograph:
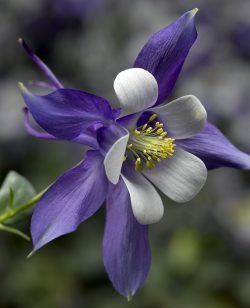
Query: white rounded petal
(114, 159)
(185, 116)
(145, 201)
(136, 90)
(180, 177)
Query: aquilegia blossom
(143, 144)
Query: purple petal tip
(31, 254)
(129, 298)
(20, 41)
(194, 11)
(22, 87)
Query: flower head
(141, 144)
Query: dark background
(201, 249)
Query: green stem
(14, 231)
(12, 213)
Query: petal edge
(215, 150)
(69, 201)
(180, 177)
(136, 90)
(184, 117)
(126, 250)
(165, 52)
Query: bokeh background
(201, 249)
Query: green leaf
(15, 191)
(11, 199)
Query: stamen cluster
(149, 144)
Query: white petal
(180, 177)
(146, 203)
(136, 90)
(185, 116)
(114, 159)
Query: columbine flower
(142, 144)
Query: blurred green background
(201, 249)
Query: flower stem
(12, 213)
(14, 231)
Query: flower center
(149, 144)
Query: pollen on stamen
(158, 124)
(149, 145)
(159, 131)
(137, 164)
(153, 116)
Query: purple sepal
(126, 251)
(32, 131)
(68, 113)
(116, 113)
(73, 198)
(42, 66)
(107, 136)
(42, 85)
(215, 149)
(165, 52)
(85, 139)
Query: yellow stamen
(149, 145)
(159, 131)
(137, 164)
(153, 116)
